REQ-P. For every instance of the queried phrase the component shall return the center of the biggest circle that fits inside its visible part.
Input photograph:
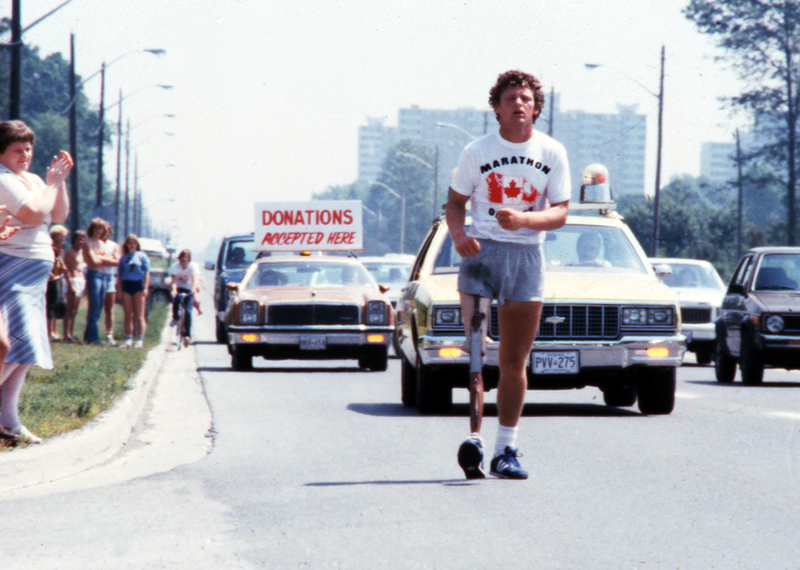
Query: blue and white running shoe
(506, 466)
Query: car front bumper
(334, 336)
(615, 355)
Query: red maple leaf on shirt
(512, 190)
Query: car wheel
(408, 382)
(620, 396)
(222, 333)
(656, 390)
(433, 395)
(377, 361)
(724, 364)
(241, 359)
(750, 362)
(704, 356)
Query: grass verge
(85, 380)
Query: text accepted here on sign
(330, 225)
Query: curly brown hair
(516, 78)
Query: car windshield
(387, 272)
(239, 254)
(307, 274)
(571, 248)
(778, 272)
(691, 275)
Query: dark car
(235, 255)
(759, 322)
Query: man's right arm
(456, 214)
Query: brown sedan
(309, 308)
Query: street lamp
(456, 127)
(660, 97)
(402, 199)
(73, 95)
(119, 148)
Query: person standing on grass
(519, 184)
(110, 269)
(95, 257)
(26, 259)
(73, 260)
(56, 301)
(134, 286)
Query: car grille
(691, 316)
(580, 322)
(312, 315)
(791, 324)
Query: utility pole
(658, 158)
(73, 141)
(16, 59)
(98, 199)
(741, 195)
(119, 160)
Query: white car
(700, 292)
(391, 269)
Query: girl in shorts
(133, 283)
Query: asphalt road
(318, 465)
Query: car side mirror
(663, 271)
(384, 287)
(736, 289)
(234, 287)
(209, 265)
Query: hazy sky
(269, 95)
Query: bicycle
(180, 331)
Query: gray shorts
(504, 271)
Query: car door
(734, 311)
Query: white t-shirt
(525, 176)
(31, 241)
(181, 277)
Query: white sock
(506, 437)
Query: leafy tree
(761, 39)
(44, 100)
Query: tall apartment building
(615, 140)
(718, 162)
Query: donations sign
(330, 225)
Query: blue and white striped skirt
(23, 283)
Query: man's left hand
(510, 219)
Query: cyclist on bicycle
(185, 276)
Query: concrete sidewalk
(165, 409)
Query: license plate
(565, 362)
(313, 343)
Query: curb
(76, 451)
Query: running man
(518, 181)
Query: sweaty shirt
(525, 176)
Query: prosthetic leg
(470, 454)
(477, 342)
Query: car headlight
(653, 316)
(774, 324)
(634, 316)
(447, 317)
(248, 312)
(659, 316)
(376, 313)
